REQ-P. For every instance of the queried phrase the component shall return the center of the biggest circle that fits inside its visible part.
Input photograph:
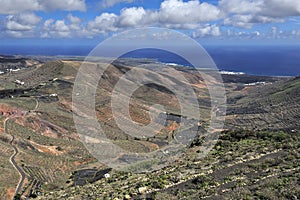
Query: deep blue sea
(258, 60)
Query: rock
(127, 196)
(142, 190)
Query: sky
(88, 22)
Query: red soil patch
(10, 192)
(150, 146)
(45, 128)
(173, 127)
(47, 149)
(200, 85)
(66, 104)
(83, 162)
(8, 111)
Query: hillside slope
(254, 160)
(40, 117)
(270, 107)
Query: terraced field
(49, 149)
(45, 135)
(271, 107)
(9, 177)
(243, 163)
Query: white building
(19, 82)
(107, 175)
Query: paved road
(13, 162)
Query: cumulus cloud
(132, 17)
(243, 21)
(244, 34)
(18, 6)
(60, 26)
(179, 12)
(110, 3)
(193, 15)
(247, 21)
(207, 30)
(48, 23)
(171, 14)
(296, 32)
(73, 19)
(277, 33)
(22, 22)
(281, 8)
(71, 26)
(245, 13)
(16, 34)
(16, 26)
(104, 23)
(240, 6)
(270, 8)
(74, 22)
(57, 28)
(68, 5)
(21, 25)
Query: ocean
(257, 60)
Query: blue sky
(88, 22)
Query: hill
(258, 149)
(39, 115)
(271, 107)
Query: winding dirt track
(16, 151)
(13, 162)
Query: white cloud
(277, 33)
(257, 33)
(191, 12)
(48, 23)
(177, 14)
(73, 19)
(131, 17)
(110, 3)
(270, 8)
(240, 6)
(22, 22)
(16, 34)
(245, 13)
(47, 27)
(296, 32)
(104, 23)
(21, 25)
(244, 34)
(68, 5)
(56, 28)
(172, 14)
(60, 26)
(242, 21)
(30, 18)
(71, 26)
(266, 19)
(207, 30)
(74, 22)
(18, 6)
(15, 26)
(247, 21)
(281, 8)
